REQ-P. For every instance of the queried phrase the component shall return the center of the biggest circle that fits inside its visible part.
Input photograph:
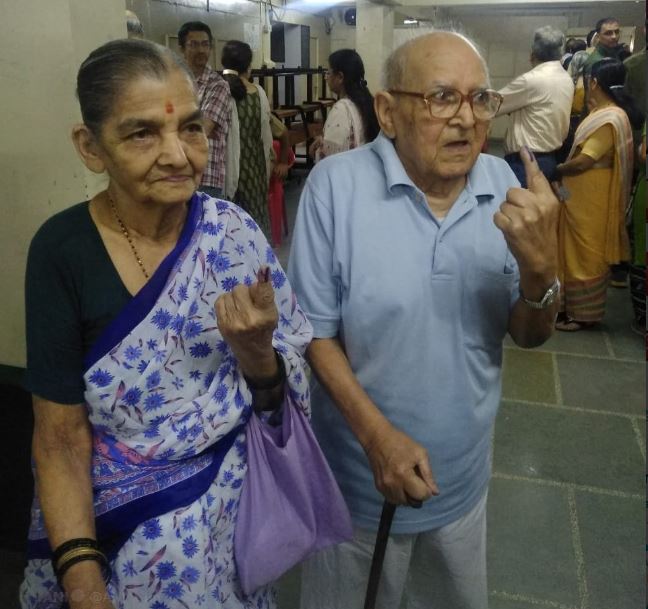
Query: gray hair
(577, 65)
(396, 64)
(548, 42)
(109, 69)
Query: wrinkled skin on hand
(400, 466)
(247, 316)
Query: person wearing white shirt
(539, 104)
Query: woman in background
(352, 121)
(250, 154)
(597, 177)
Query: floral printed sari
(168, 406)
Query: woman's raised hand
(247, 317)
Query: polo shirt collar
(479, 183)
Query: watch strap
(547, 300)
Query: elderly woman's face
(153, 145)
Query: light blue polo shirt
(421, 307)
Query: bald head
(402, 68)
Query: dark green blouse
(72, 292)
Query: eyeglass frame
(464, 97)
(199, 44)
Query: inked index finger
(535, 179)
(262, 292)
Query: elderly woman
(352, 120)
(152, 339)
(596, 177)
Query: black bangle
(77, 550)
(271, 383)
(73, 544)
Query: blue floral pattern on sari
(159, 402)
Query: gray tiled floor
(566, 504)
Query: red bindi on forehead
(169, 107)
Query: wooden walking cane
(379, 550)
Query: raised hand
(247, 317)
(529, 221)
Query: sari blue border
(142, 303)
(115, 527)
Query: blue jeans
(546, 162)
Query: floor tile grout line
(557, 384)
(640, 440)
(578, 550)
(509, 596)
(596, 490)
(623, 415)
(626, 360)
(608, 345)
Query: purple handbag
(290, 504)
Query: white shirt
(343, 129)
(539, 103)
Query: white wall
(506, 44)
(43, 44)
(230, 22)
(343, 36)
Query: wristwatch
(547, 300)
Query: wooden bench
(302, 131)
(326, 103)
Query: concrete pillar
(374, 39)
(43, 44)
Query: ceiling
(583, 13)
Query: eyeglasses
(444, 102)
(198, 44)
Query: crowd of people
(581, 113)
(159, 320)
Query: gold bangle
(71, 554)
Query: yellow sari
(591, 232)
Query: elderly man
(608, 33)
(539, 102)
(412, 257)
(196, 40)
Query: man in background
(608, 32)
(635, 84)
(539, 102)
(196, 41)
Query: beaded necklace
(126, 234)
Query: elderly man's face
(433, 148)
(609, 34)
